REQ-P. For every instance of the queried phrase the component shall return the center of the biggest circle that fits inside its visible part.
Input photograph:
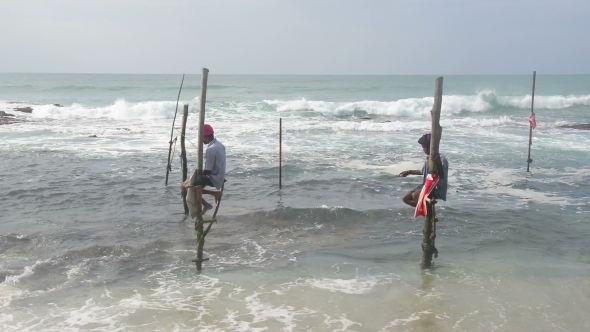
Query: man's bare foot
(206, 207)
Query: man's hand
(439, 165)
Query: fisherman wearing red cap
(214, 170)
(442, 166)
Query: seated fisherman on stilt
(214, 170)
(442, 165)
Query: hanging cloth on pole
(429, 185)
(532, 120)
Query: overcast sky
(392, 37)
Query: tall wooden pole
(280, 153)
(183, 155)
(172, 132)
(429, 232)
(199, 229)
(202, 120)
(199, 223)
(529, 160)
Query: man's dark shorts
(433, 194)
(204, 181)
(418, 189)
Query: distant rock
(2, 113)
(92, 136)
(366, 118)
(24, 109)
(581, 126)
(58, 105)
(8, 120)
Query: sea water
(91, 238)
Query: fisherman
(440, 191)
(214, 170)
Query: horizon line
(226, 74)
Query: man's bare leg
(214, 193)
(411, 198)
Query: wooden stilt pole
(183, 155)
(529, 160)
(199, 223)
(168, 168)
(202, 120)
(199, 230)
(429, 232)
(280, 153)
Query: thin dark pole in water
(183, 155)
(280, 153)
(529, 160)
(172, 131)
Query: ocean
(92, 239)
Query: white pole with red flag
(532, 122)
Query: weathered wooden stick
(202, 120)
(199, 229)
(199, 222)
(199, 197)
(172, 131)
(428, 236)
(183, 155)
(280, 153)
(529, 160)
(217, 205)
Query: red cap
(207, 130)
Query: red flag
(533, 121)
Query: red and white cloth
(532, 120)
(429, 185)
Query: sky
(301, 37)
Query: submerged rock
(582, 126)
(24, 109)
(2, 113)
(8, 120)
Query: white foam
(7, 293)
(256, 254)
(287, 315)
(78, 271)
(498, 182)
(485, 122)
(411, 107)
(483, 101)
(340, 320)
(27, 272)
(5, 318)
(92, 314)
(404, 321)
(545, 102)
(357, 285)
(119, 110)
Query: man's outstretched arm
(410, 172)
